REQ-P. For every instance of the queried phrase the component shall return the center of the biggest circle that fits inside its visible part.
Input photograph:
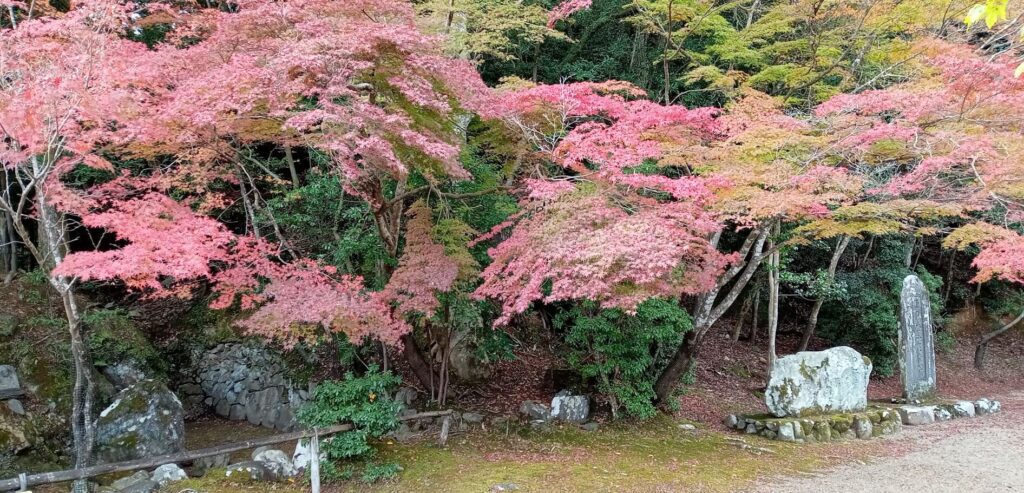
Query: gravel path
(984, 454)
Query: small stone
(473, 418)
(982, 407)
(751, 429)
(996, 406)
(590, 426)
(916, 415)
(963, 409)
(251, 470)
(127, 481)
(168, 473)
(202, 465)
(535, 411)
(504, 487)
(276, 461)
(862, 427)
(942, 414)
(8, 378)
(144, 486)
(16, 407)
(687, 427)
(731, 421)
(786, 432)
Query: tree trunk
(833, 265)
(684, 359)
(290, 159)
(773, 296)
(709, 309)
(53, 231)
(417, 362)
(979, 352)
(744, 313)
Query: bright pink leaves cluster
(565, 9)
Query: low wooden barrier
(181, 457)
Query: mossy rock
(841, 422)
(12, 432)
(145, 420)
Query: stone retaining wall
(824, 428)
(242, 382)
(872, 422)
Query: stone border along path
(872, 422)
(956, 456)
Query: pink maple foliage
(565, 9)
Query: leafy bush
(868, 318)
(364, 402)
(624, 352)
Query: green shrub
(365, 403)
(113, 337)
(624, 352)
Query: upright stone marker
(917, 345)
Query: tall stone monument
(917, 345)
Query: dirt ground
(981, 454)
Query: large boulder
(145, 420)
(8, 378)
(570, 408)
(815, 382)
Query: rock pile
(915, 415)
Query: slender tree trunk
(744, 313)
(753, 10)
(709, 309)
(664, 58)
(418, 362)
(979, 352)
(773, 296)
(757, 311)
(685, 358)
(833, 265)
(290, 159)
(52, 229)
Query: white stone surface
(917, 415)
(812, 382)
(168, 473)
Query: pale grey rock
(942, 414)
(813, 382)
(303, 455)
(127, 481)
(16, 407)
(145, 420)
(862, 427)
(731, 421)
(473, 418)
(9, 378)
(590, 426)
(276, 461)
(916, 340)
(535, 411)
(570, 408)
(963, 409)
(202, 465)
(687, 427)
(786, 432)
(168, 473)
(916, 415)
(249, 470)
(144, 486)
(405, 396)
(983, 407)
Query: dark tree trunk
(419, 364)
(979, 352)
(684, 359)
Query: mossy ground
(653, 456)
